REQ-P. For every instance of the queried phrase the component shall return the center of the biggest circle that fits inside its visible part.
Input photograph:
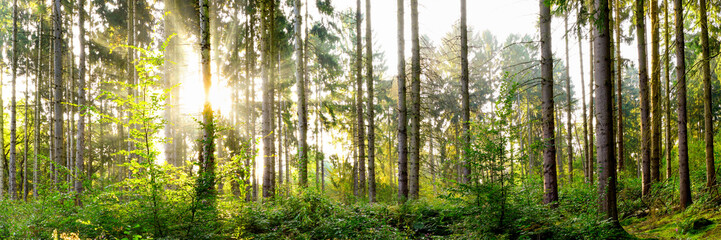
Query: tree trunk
(604, 113)
(667, 71)
(465, 104)
(643, 86)
(655, 94)
(415, 138)
(267, 31)
(302, 106)
(550, 186)
(583, 101)
(359, 103)
(206, 175)
(3, 160)
(683, 169)
(592, 89)
(12, 190)
(131, 75)
(619, 88)
(38, 81)
(402, 114)
(371, 114)
(81, 103)
(569, 146)
(708, 100)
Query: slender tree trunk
(604, 113)
(683, 169)
(550, 186)
(280, 134)
(465, 105)
(655, 94)
(583, 101)
(667, 71)
(371, 114)
(643, 86)
(402, 111)
(569, 146)
(592, 89)
(267, 29)
(38, 81)
(708, 100)
(302, 106)
(12, 180)
(619, 87)
(3, 160)
(131, 73)
(206, 175)
(359, 103)
(415, 138)
(26, 138)
(81, 103)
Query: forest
(365, 119)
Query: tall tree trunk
(280, 133)
(268, 31)
(604, 113)
(569, 146)
(667, 71)
(683, 169)
(708, 100)
(415, 138)
(550, 186)
(359, 103)
(619, 87)
(131, 74)
(206, 175)
(38, 81)
(302, 106)
(592, 89)
(583, 101)
(25, 137)
(12, 190)
(643, 86)
(371, 114)
(81, 103)
(465, 102)
(402, 111)
(655, 94)
(3, 160)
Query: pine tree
(550, 186)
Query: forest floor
(703, 224)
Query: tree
(415, 113)
(683, 169)
(655, 94)
(592, 89)
(58, 81)
(708, 101)
(12, 191)
(466, 109)
(568, 105)
(619, 101)
(268, 31)
(402, 111)
(604, 113)
(643, 86)
(550, 186)
(206, 173)
(583, 99)
(38, 80)
(371, 114)
(667, 71)
(81, 103)
(359, 101)
(302, 105)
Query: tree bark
(619, 88)
(643, 86)
(655, 94)
(371, 114)
(38, 81)
(402, 111)
(583, 101)
(302, 105)
(569, 146)
(12, 189)
(80, 148)
(360, 130)
(667, 71)
(592, 89)
(550, 186)
(267, 30)
(683, 168)
(708, 100)
(604, 113)
(415, 140)
(465, 104)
